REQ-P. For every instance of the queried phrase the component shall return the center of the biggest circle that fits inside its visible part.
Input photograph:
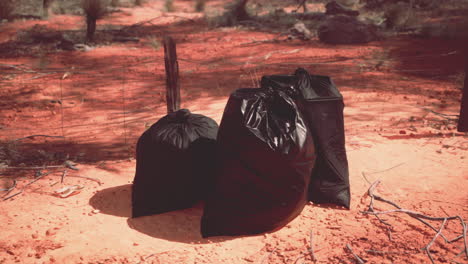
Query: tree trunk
(240, 11)
(172, 75)
(45, 8)
(463, 120)
(90, 28)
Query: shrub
(235, 12)
(169, 6)
(6, 9)
(200, 5)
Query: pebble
(50, 232)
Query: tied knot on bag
(289, 89)
(182, 115)
(272, 117)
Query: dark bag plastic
(266, 156)
(173, 171)
(322, 105)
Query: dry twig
(9, 189)
(89, 178)
(33, 136)
(442, 115)
(70, 165)
(149, 21)
(433, 239)
(420, 217)
(33, 168)
(358, 259)
(16, 67)
(63, 175)
(84, 177)
(24, 187)
(379, 252)
(311, 248)
(265, 260)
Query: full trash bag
(172, 163)
(266, 156)
(322, 106)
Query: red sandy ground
(419, 157)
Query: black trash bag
(266, 155)
(322, 105)
(172, 169)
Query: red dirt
(111, 93)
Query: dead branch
(33, 136)
(371, 209)
(419, 216)
(433, 239)
(70, 165)
(412, 213)
(311, 248)
(268, 55)
(33, 168)
(391, 168)
(446, 116)
(358, 259)
(297, 260)
(16, 67)
(147, 257)
(10, 188)
(83, 177)
(36, 179)
(89, 178)
(149, 21)
(375, 172)
(303, 4)
(259, 42)
(377, 197)
(63, 175)
(13, 195)
(265, 260)
(379, 252)
(24, 187)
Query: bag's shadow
(180, 226)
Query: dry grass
(169, 6)
(154, 42)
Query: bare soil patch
(98, 102)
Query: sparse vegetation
(154, 42)
(6, 9)
(169, 6)
(139, 2)
(398, 15)
(200, 5)
(94, 10)
(46, 4)
(115, 3)
(235, 12)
